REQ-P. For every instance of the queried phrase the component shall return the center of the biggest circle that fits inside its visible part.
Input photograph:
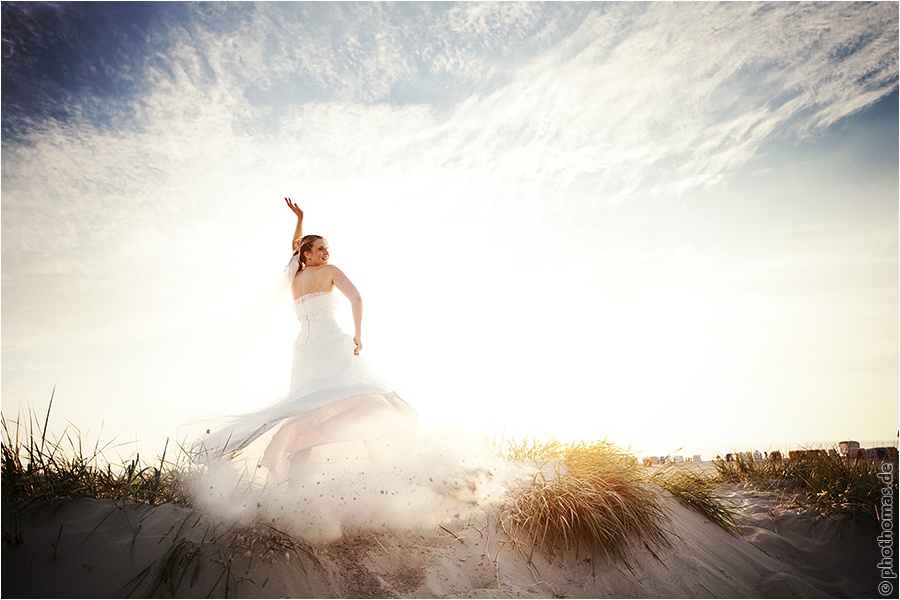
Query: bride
(335, 396)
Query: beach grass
(583, 496)
(34, 466)
(231, 554)
(595, 496)
(816, 479)
(697, 491)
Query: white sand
(93, 548)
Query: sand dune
(97, 548)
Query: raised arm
(348, 289)
(298, 231)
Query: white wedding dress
(335, 398)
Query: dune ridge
(101, 548)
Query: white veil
(248, 333)
(247, 339)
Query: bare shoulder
(333, 271)
(343, 283)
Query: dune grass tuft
(584, 496)
(697, 491)
(227, 557)
(825, 482)
(35, 467)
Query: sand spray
(442, 476)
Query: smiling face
(317, 255)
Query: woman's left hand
(358, 343)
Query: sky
(673, 226)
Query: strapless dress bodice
(316, 313)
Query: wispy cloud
(621, 100)
(629, 98)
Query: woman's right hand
(294, 209)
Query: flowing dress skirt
(335, 397)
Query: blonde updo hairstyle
(305, 245)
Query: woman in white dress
(335, 396)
